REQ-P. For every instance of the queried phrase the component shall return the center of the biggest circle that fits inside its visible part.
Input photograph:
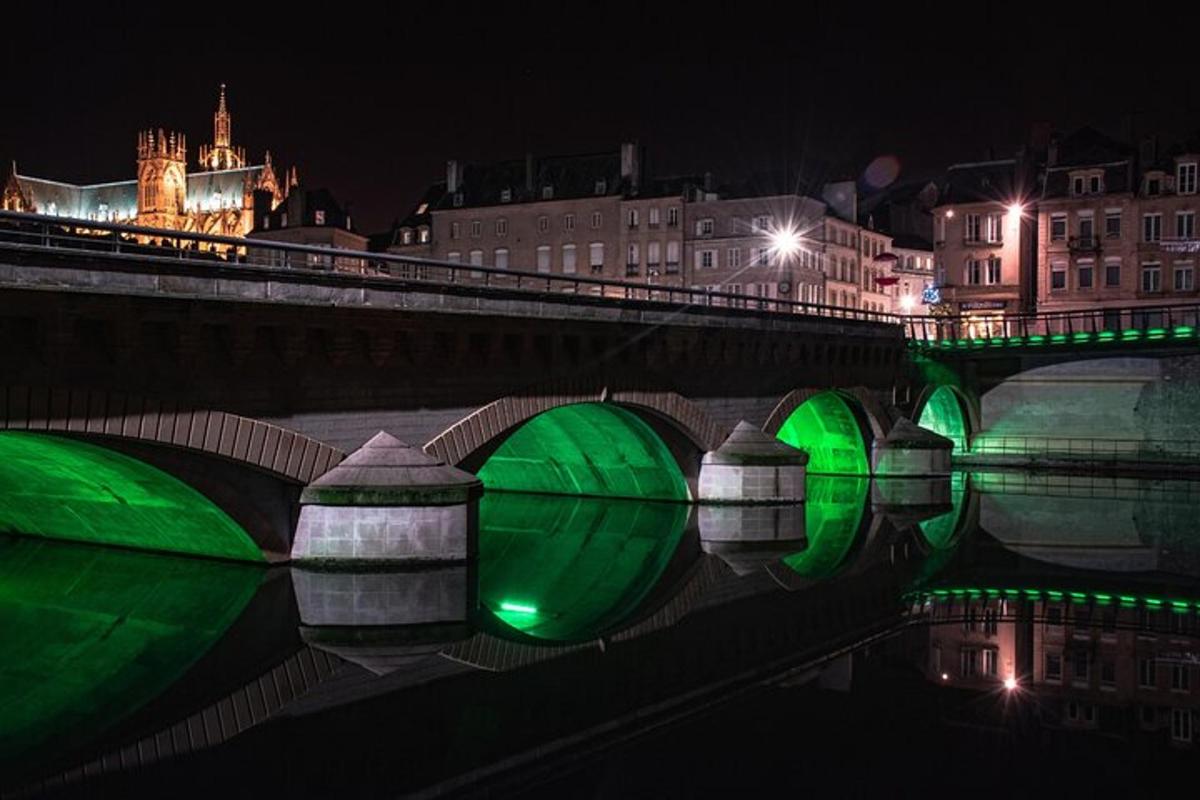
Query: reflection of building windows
(1112, 272)
(1108, 673)
(1080, 667)
(990, 659)
(1181, 678)
(989, 622)
(1181, 724)
(1151, 227)
(968, 663)
(1081, 712)
(1184, 280)
(1087, 273)
(1053, 667)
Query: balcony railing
(1083, 244)
(116, 247)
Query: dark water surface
(1000, 635)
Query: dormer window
(547, 192)
(506, 195)
(319, 217)
(601, 187)
(406, 236)
(423, 235)
(283, 220)
(458, 199)
(1185, 178)
(1094, 184)
(1153, 185)
(1077, 185)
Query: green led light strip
(1180, 606)
(1077, 337)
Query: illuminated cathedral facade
(219, 198)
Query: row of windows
(1183, 274)
(633, 217)
(500, 226)
(633, 254)
(1079, 664)
(1185, 182)
(568, 261)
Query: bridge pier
(909, 450)
(752, 467)
(388, 502)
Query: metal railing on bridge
(1057, 328)
(40, 233)
(1093, 451)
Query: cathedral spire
(221, 154)
(221, 122)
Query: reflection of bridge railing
(22, 232)
(1057, 328)
(1094, 451)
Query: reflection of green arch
(944, 414)
(586, 449)
(940, 531)
(568, 569)
(826, 427)
(91, 634)
(61, 488)
(833, 515)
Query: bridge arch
(251, 471)
(836, 427)
(54, 487)
(641, 445)
(948, 411)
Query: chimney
(1052, 153)
(630, 169)
(453, 176)
(529, 172)
(1148, 152)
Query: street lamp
(785, 243)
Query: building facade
(313, 218)
(985, 236)
(217, 199)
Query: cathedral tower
(162, 179)
(221, 154)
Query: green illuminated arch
(91, 634)
(61, 488)
(586, 449)
(826, 427)
(944, 414)
(568, 569)
(833, 517)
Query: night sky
(371, 102)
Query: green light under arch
(586, 449)
(943, 414)
(568, 569)
(91, 634)
(826, 427)
(60, 488)
(833, 516)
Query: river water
(1004, 633)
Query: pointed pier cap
(749, 446)
(387, 472)
(907, 435)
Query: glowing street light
(907, 302)
(1010, 684)
(785, 242)
(1015, 210)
